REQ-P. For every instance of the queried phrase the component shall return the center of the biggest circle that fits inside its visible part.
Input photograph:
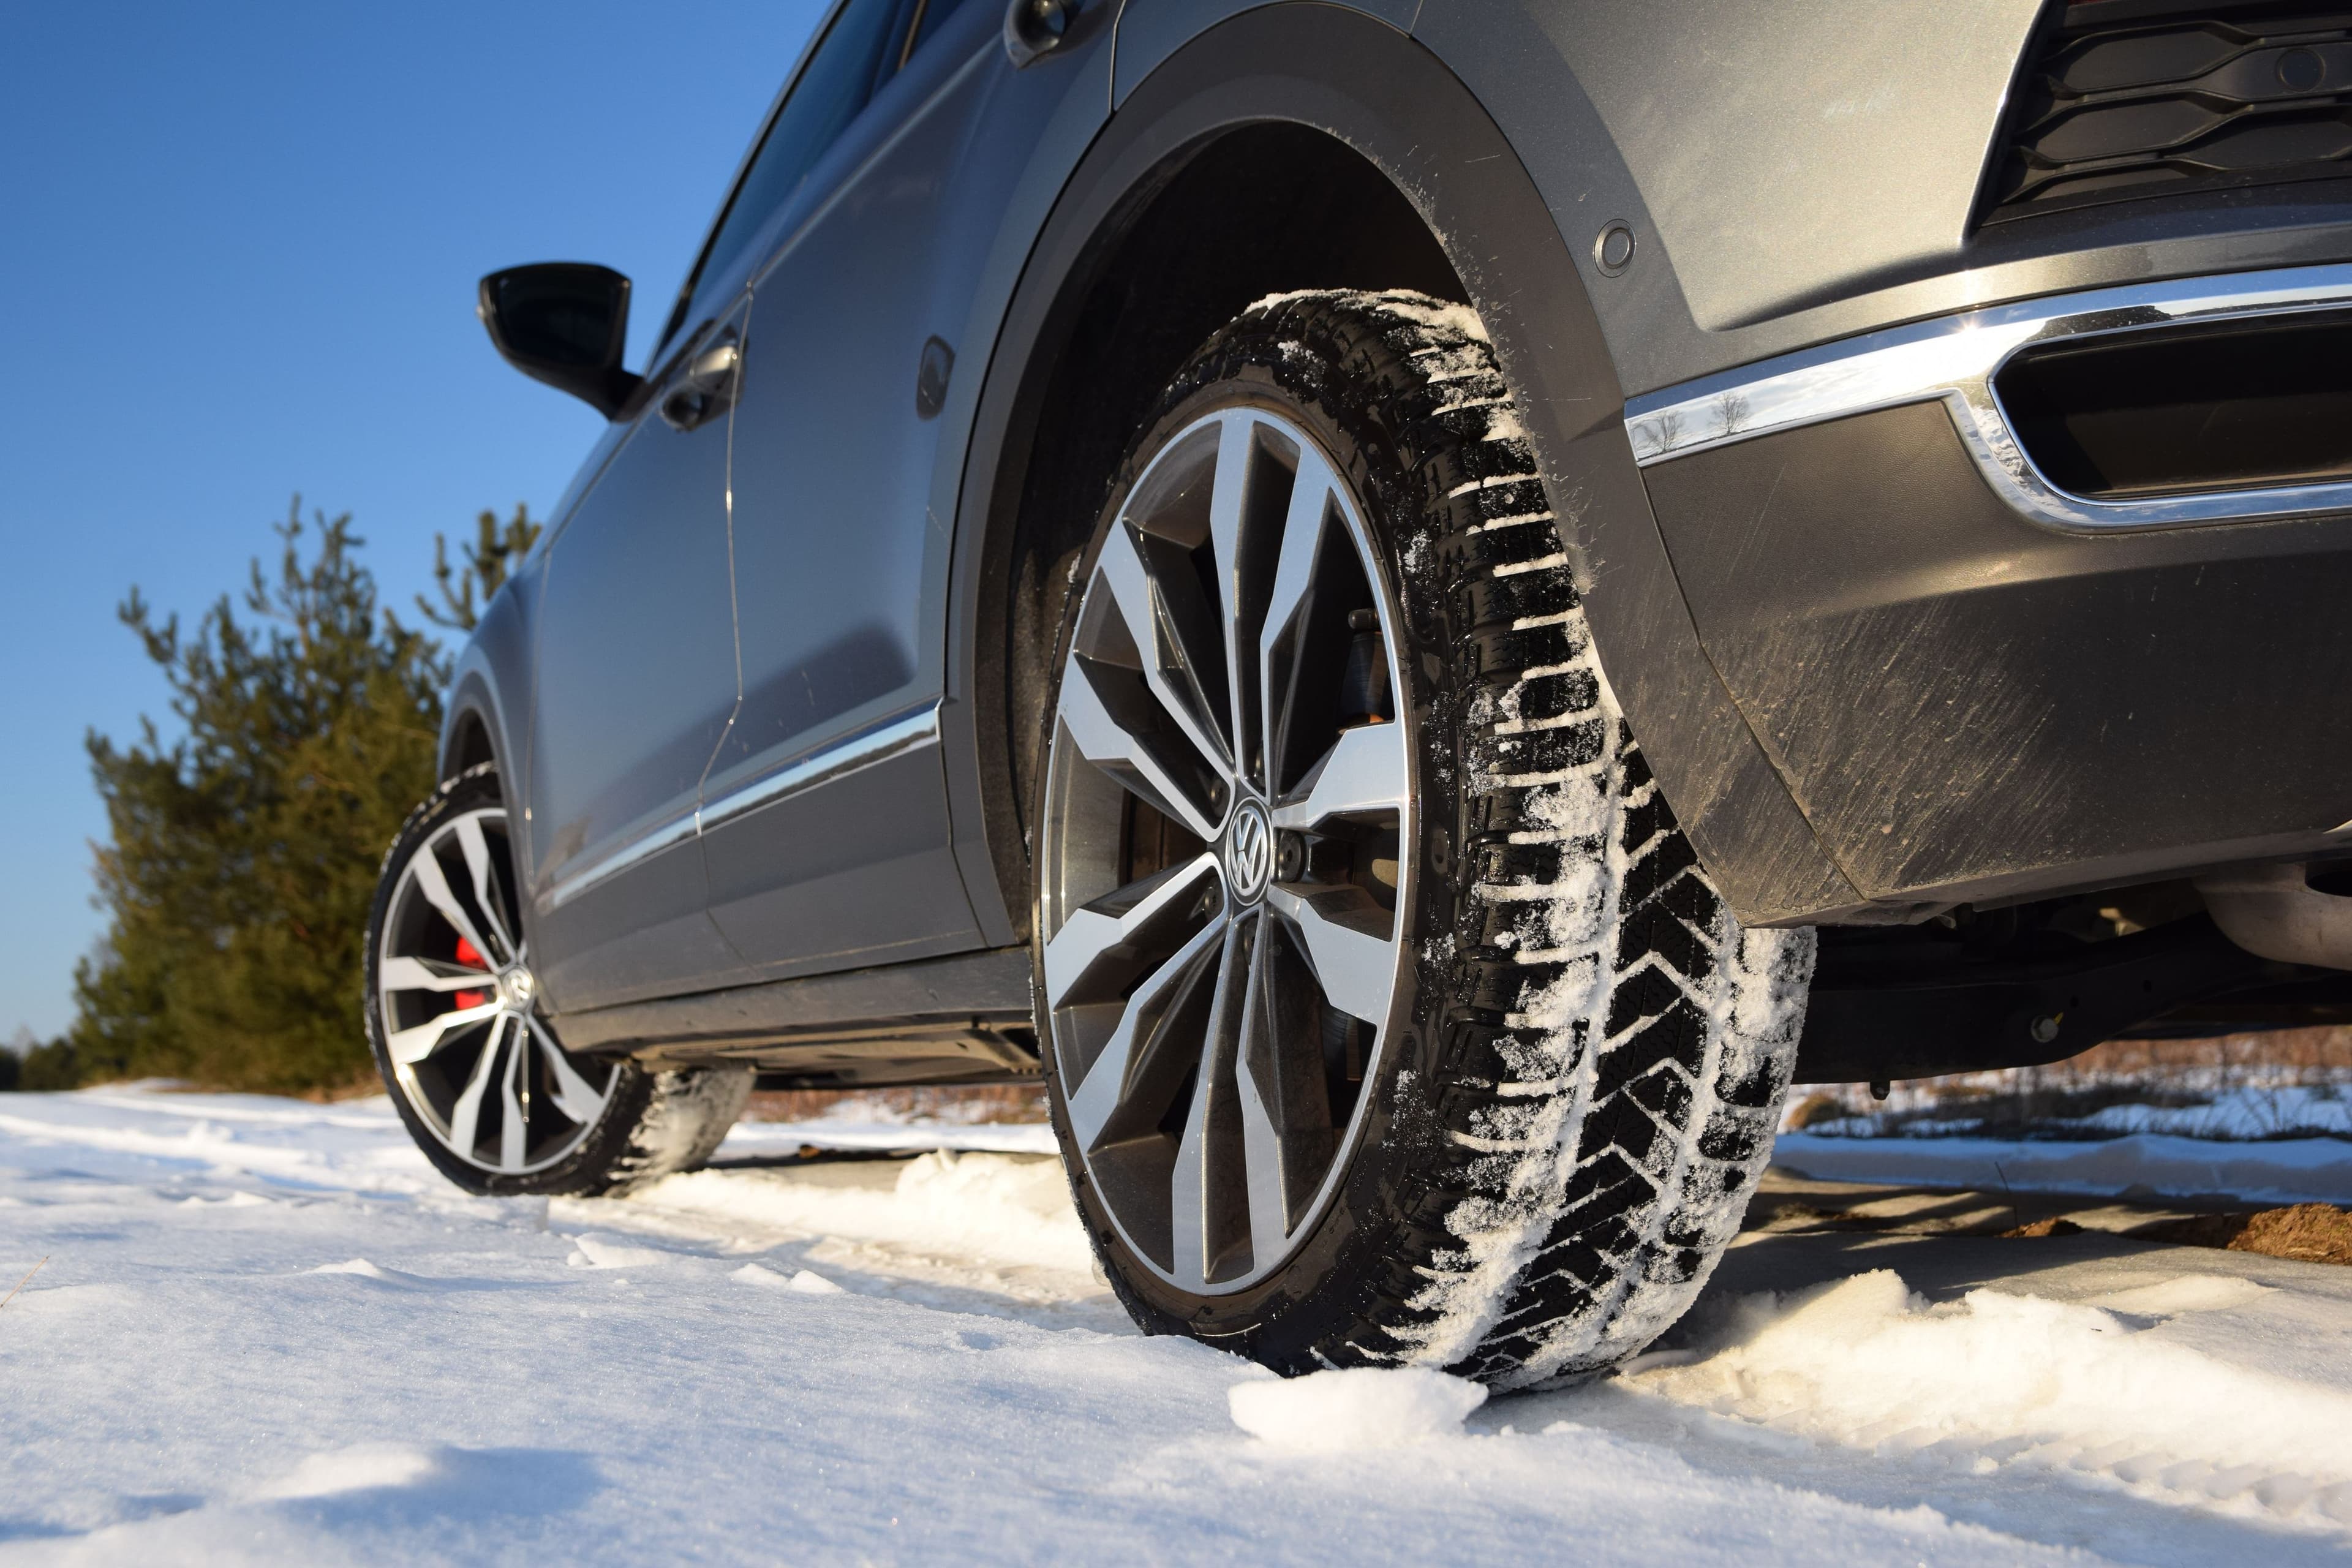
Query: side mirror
(565, 323)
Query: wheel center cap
(1249, 851)
(515, 988)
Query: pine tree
(244, 855)
(487, 565)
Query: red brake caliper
(468, 954)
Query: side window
(826, 97)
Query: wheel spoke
(1104, 935)
(514, 1122)
(1260, 1101)
(1302, 538)
(1228, 503)
(1208, 1210)
(1364, 774)
(1140, 1040)
(486, 894)
(1291, 598)
(1171, 664)
(574, 1095)
(1355, 967)
(409, 1047)
(429, 974)
(424, 867)
(466, 1115)
(1128, 758)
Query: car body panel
(635, 655)
(494, 662)
(1756, 130)
(1362, 82)
(635, 683)
(837, 557)
(1793, 174)
(1581, 89)
(860, 868)
(1152, 30)
(1032, 134)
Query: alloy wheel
(1223, 886)
(462, 1032)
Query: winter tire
(476, 1072)
(1389, 1018)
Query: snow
(1998, 1380)
(1018, 1210)
(2244, 1112)
(1353, 1407)
(266, 1333)
(2281, 1171)
(805, 1282)
(2236, 1112)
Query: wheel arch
(467, 744)
(486, 698)
(1203, 194)
(473, 721)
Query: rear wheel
(1391, 1017)
(478, 1074)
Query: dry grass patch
(2308, 1233)
(965, 1105)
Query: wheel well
(1259, 209)
(468, 745)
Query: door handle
(1036, 27)
(704, 388)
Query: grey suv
(1419, 604)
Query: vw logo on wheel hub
(515, 987)
(1249, 851)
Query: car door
(825, 816)
(635, 682)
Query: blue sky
(241, 243)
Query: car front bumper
(1975, 684)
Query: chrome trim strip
(882, 740)
(1955, 358)
(877, 742)
(569, 888)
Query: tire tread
(1614, 1169)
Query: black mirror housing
(565, 323)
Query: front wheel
(475, 1071)
(1391, 1017)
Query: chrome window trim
(1953, 358)
(877, 742)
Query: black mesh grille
(2124, 100)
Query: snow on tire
(1579, 1086)
(1611, 1124)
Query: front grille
(2124, 99)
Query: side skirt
(959, 1019)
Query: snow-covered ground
(2239, 1112)
(2143, 1165)
(266, 1333)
